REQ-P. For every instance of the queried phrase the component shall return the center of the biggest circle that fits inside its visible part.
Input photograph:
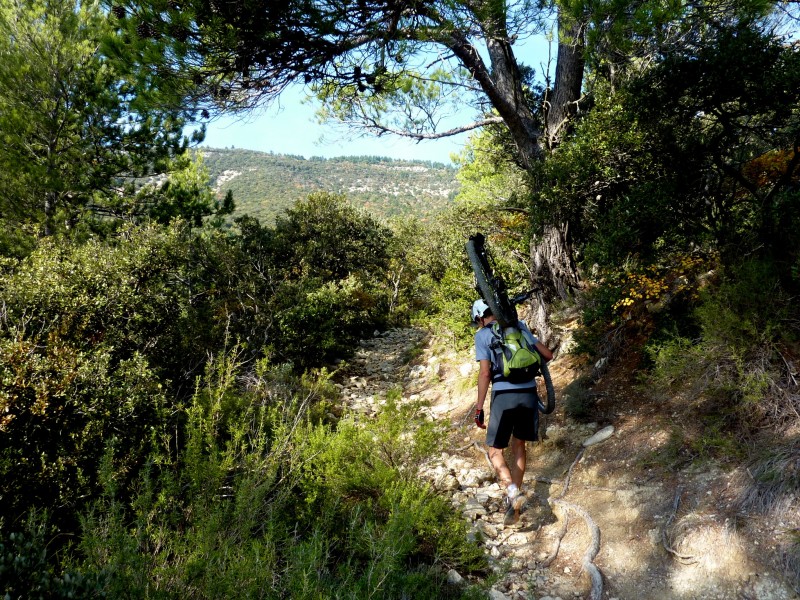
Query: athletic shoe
(513, 509)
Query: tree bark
(553, 266)
(555, 273)
(563, 102)
(503, 87)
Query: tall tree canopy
(363, 58)
(401, 66)
(74, 127)
(395, 66)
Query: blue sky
(289, 127)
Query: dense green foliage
(98, 334)
(117, 426)
(264, 185)
(168, 423)
(75, 129)
(264, 500)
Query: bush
(146, 293)
(577, 400)
(95, 340)
(320, 277)
(62, 410)
(267, 502)
(641, 300)
(730, 376)
(28, 570)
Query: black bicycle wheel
(546, 409)
(490, 287)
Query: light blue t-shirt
(484, 351)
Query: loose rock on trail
(602, 521)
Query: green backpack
(521, 362)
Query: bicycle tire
(489, 286)
(548, 408)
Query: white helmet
(479, 309)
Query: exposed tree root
(684, 559)
(484, 452)
(560, 536)
(569, 473)
(595, 576)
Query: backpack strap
(499, 343)
(496, 344)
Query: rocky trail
(605, 520)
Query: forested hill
(265, 184)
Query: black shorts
(510, 418)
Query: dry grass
(790, 560)
(771, 484)
(701, 537)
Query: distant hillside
(265, 184)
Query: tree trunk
(553, 266)
(49, 209)
(555, 273)
(563, 102)
(551, 253)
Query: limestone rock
(600, 436)
(453, 577)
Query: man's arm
(546, 353)
(484, 379)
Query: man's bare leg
(501, 468)
(515, 500)
(519, 460)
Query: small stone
(567, 570)
(486, 528)
(497, 595)
(600, 436)
(453, 577)
(448, 484)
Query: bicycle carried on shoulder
(493, 290)
(491, 287)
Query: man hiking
(514, 405)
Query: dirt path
(663, 534)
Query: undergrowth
(266, 499)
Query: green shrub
(640, 300)
(317, 321)
(577, 401)
(729, 377)
(62, 410)
(28, 569)
(266, 501)
(152, 292)
(749, 308)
